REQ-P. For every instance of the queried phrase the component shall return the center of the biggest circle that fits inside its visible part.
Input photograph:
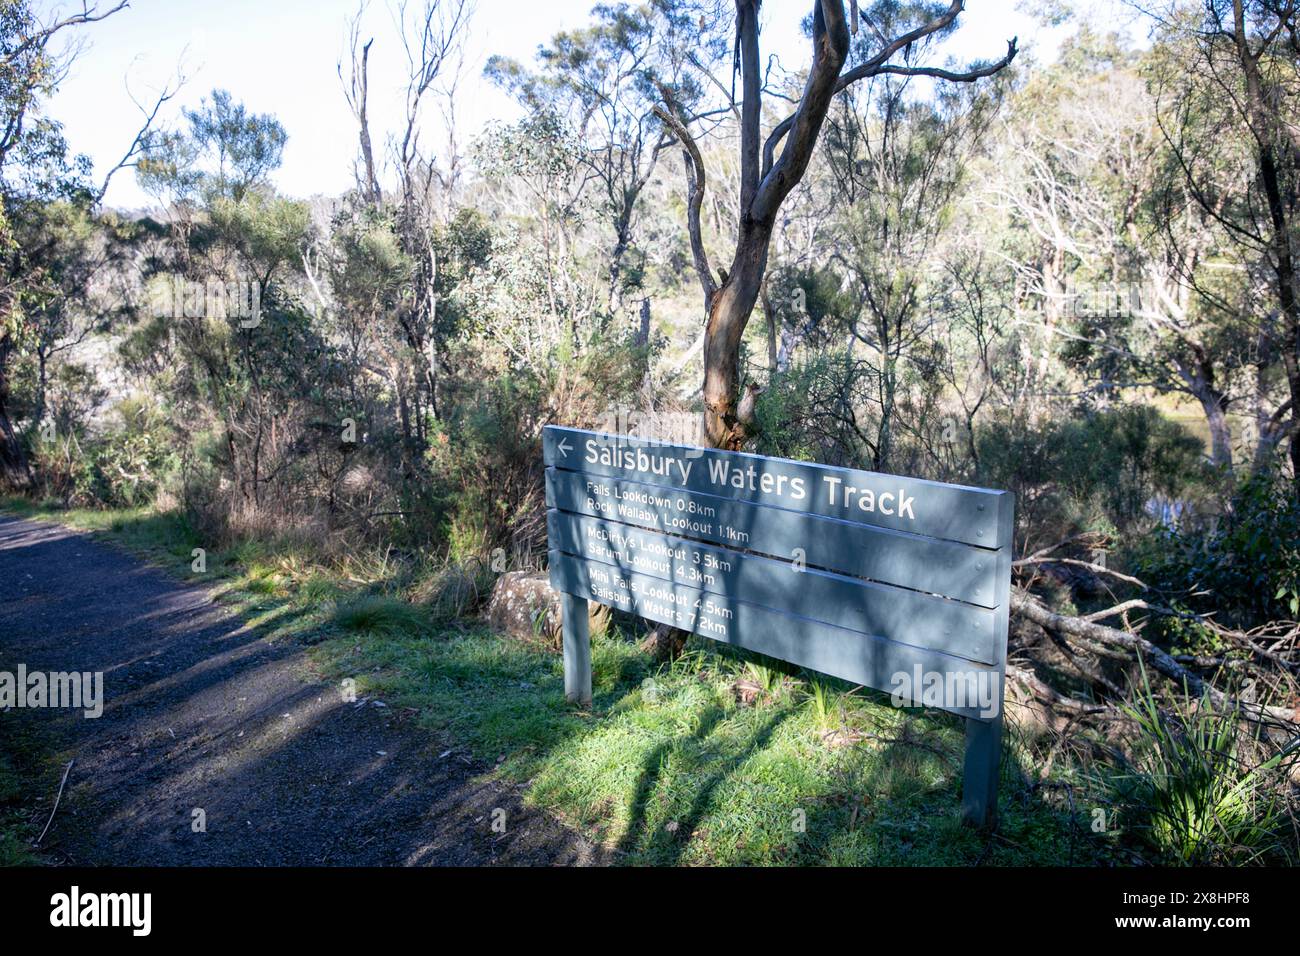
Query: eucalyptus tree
(429, 39)
(1057, 184)
(538, 291)
(212, 174)
(899, 164)
(231, 351)
(1123, 274)
(606, 81)
(772, 166)
(1231, 79)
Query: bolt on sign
(897, 584)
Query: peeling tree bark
(728, 316)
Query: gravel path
(202, 712)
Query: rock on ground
(525, 606)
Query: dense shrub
(1097, 471)
(484, 458)
(1244, 563)
(137, 459)
(124, 466)
(816, 410)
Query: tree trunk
(664, 643)
(1293, 379)
(767, 178)
(729, 313)
(772, 354)
(42, 383)
(643, 333)
(1276, 163)
(14, 469)
(1216, 418)
(622, 232)
(15, 472)
(885, 434)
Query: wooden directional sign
(894, 583)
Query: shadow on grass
(668, 847)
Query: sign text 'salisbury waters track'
(894, 583)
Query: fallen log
(1031, 609)
(1049, 695)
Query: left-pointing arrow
(564, 447)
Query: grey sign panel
(923, 564)
(898, 584)
(858, 658)
(898, 614)
(933, 509)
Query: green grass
(378, 614)
(16, 829)
(669, 767)
(29, 776)
(153, 533)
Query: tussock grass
(378, 614)
(453, 589)
(315, 588)
(261, 580)
(1195, 791)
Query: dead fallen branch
(54, 809)
(1089, 536)
(1031, 609)
(1087, 565)
(1049, 695)
(1137, 604)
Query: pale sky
(280, 56)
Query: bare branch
(830, 47)
(695, 199)
(879, 64)
(953, 76)
(1094, 568)
(357, 92)
(140, 143)
(40, 38)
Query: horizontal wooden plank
(897, 614)
(914, 505)
(924, 564)
(858, 658)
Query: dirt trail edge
(203, 714)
